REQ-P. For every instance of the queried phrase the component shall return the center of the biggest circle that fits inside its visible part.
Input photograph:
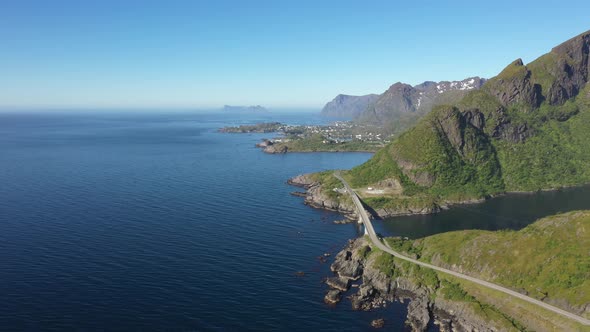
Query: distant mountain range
(400, 106)
(403, 98)
(400, 100)
(241, 109)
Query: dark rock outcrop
(333, 297)
(377, 289)
(515, 86)
(572, 69)
(302, 181)
(339, 283)
(561, 74)
(418, 313)
(269, 146)
(378, 323)
(317, 198)
(274, 149)
(347, 264)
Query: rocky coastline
(270, 147)
(314, 197)
(358, 279)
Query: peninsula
(340, 136)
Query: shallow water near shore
(158, 222)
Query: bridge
(369, 230)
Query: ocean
(155, 221)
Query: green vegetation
(267, 127)
(408, 248)
(365, 251)
(387, 264)
(525, 130)
(549, 258)
(441, 286)
(557, 155)
(318, 143)
(515, 69)
(329, 182)
(379, 167)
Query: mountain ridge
(348, 106)
(401, 98)
(525, 129)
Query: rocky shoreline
(358, 279)
(268, 146)
(314, 197)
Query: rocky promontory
(320, 196)
(268, 146)
(316, 196)
(383, 280)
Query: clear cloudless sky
(280, 54)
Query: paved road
(369, 227)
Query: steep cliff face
(346, 106)
(571, 69)
(554, 77)
(448, 149)
(514, 86)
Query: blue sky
(295, 54)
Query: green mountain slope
(526, 129)
(547, 260)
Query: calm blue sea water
(158, 222)
(131, 222)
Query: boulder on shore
(332, 297)
(378, 323)
(339, 283)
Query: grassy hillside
(549, 259)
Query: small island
(245, 109)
